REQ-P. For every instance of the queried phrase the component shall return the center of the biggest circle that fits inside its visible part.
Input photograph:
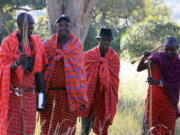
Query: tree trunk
(80, 11)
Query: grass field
(132, 93)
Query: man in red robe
(65, 81)
(165, 83)
(19, 65)
(102, 65)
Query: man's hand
(151, 80)
(21, 59)
(82, 107)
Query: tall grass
(132, 93)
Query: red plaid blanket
(107, 70)
(8, 54)
(75, 77)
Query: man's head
(170, 46)
(105, 38)
(30, 22)
(63, 24)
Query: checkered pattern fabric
(8, 54)
(22, 114)
(105, 71)
(58, 76)
(103, 82)
(75, 77)
(57, 119)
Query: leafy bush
(8, 27)
(41, 27)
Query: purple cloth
(169, 69)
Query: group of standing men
(76, 84)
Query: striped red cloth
(103, 83)
(75, 77)
(57, 119)
(9, 52)
(163, 111)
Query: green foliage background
(147, 35)
(137, 25)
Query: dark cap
(105, 33)
(171, 41)
(63, 17)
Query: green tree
(7, 13)
(147, 35)
(41, 27)
(121, 15)
(115, 14)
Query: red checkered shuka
(100, 121)
(163, 111)
(8, 54)
(103, 82)
(75, 77)
(58, 77)
(22, 121)
(57, 119)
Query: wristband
(15, 64)
(161, 83)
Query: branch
(21, 8)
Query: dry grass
(132, 93)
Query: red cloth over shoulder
(107, 69)
(75, 77)
(8, 54)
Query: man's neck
(103, 52)
(19, 36)
(63, 40)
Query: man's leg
(85, 126)
(144, 130)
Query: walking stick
(151, 51)
(24, 42)
(150, 97)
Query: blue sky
(175, 7)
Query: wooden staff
(151, 51)
(25, 33)
(24, 42)
(150, 97)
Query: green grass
(132, 93)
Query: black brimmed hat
(105, 33)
